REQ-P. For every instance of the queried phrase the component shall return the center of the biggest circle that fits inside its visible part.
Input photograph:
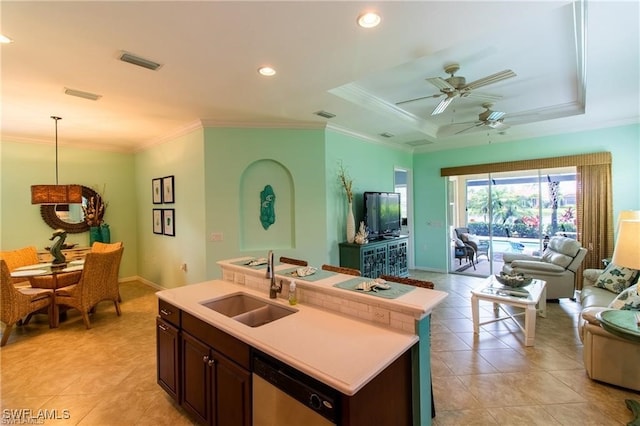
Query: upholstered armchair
(99, 282)
(18, 304)
(557, 266)
(607, 358)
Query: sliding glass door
(508, 212)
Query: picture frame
(158, 222)
(168, 195)
(169, 222)
(156, 190)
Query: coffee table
(532, 298)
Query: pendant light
(56, 194)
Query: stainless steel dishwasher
(284, 396)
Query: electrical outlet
(216, 236)
(381, 315)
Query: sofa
(557, 266)
(607, 357)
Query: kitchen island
(346, 340)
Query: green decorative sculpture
(267, 208)
(56, 248)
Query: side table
(624, 324)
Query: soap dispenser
(293, 299)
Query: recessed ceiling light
(369, 19)
(266, 71)
(4, 39)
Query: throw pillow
(616, 278)
(628, 300)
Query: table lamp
(627, 250)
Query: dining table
(32, 272)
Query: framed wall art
(168, 195)
(156, 190)
(169, 221)
(157, 221)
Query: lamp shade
(56, 194)
(627, 250)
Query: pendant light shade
(56, 194)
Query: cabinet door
(397, 256)
(168, 359)
(197, 378)
(374, 260)
(232, 394)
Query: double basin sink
(249, 310)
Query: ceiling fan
(454, 87)
(489, 118)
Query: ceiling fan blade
(419, 99)
(469, 128)
(477, 95)
(441, 84)
(496, 115)
(443, 104)
(493, 78)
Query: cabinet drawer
(169, 313)
(222, 342)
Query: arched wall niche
(281, 234)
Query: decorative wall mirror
(69, 217)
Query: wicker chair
(99, 282)
(99, 247)
(409, 281)
(292, 261)
(18, 303)
(341, 270)
(21, 257)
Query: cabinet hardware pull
(205, 358)
(165, 312)
(162, 327)
(211, 362)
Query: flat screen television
(382, 213)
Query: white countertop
(342, 352)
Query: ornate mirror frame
(48, 212)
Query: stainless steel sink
(264, 315)
(249, 310)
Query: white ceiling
(575, 71)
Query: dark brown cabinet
(168, 359)
(168, 349)
(215, 390)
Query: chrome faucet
(274, 288)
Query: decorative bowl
(517, 280)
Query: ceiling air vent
(419, 142)
(324, 114)
(387, 135)
(141, 62)
(81, 94)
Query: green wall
(160, 257)
(24, 164)
(370, 165)
(430, 206)
(216, 176)
(229, 154)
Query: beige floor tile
(106, 375)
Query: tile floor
(106, 375)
